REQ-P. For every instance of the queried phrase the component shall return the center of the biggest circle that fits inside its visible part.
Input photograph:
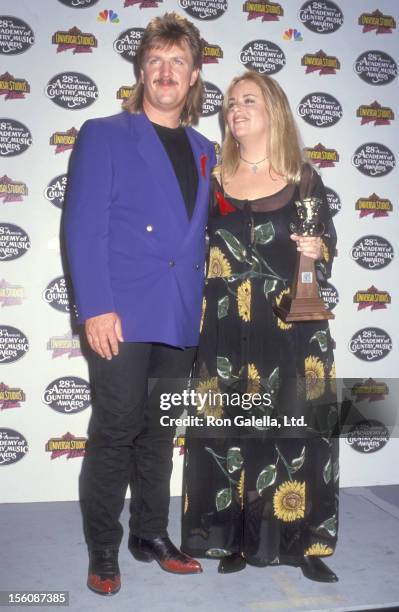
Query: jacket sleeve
(86, 221)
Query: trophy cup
(304, 302)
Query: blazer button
(171, 263)
(149, 228)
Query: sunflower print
(244, 300)
(318, 550)
(325, 251)
(203, 313)
(253, 383)
(289, 501)
(214, 405)
(219, 267)
(314, 377)
(333, 378)
(280, 323)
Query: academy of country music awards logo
(329, 294)
(13, 344)
(57, 294)
(78, 4)
(72, 90)
(67, 395)
(320, 109)
(74, 40)
(370, 344)
(14, 242)
(13, 446)
(368, 436)
(10, 397)
(333, 200)
(212, 100)
(55, 190)
(372, 252)
(128, 42)
(11, 295)
(13, 88)
(204, 9)
(376, 67)
(374, 159)
(12, 191)
(15, 137)
(263, 56)
(374, 205)
(371, 298)
(16, 36)
(321, 17)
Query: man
(135, 222)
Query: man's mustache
(166, 81)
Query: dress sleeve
(329, 237)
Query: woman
(261, 494)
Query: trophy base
(302, 309)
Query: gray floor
(42, 548)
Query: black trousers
(126, 442)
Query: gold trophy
(304, 302)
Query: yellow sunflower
(289, 501)
(219, 267)
(213, 405)
(326, 253)
(314, 377)
(253, 383)
(203, 313)
(281, 323)
(240, 487)
(244, 300)
(318, 550)
(333, 378)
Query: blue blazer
(131, 247)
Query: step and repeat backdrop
(65, 61)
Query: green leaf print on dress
(233, 244)
(263, 234)
(266, 478)
(234, 459)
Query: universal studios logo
(204, 9)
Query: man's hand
(311, 246)
(103, 333)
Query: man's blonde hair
(170, 29)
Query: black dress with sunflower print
(270, 493)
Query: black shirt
(178, 148)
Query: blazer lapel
(203, 169)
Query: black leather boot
(232, 563)
(315, 569)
